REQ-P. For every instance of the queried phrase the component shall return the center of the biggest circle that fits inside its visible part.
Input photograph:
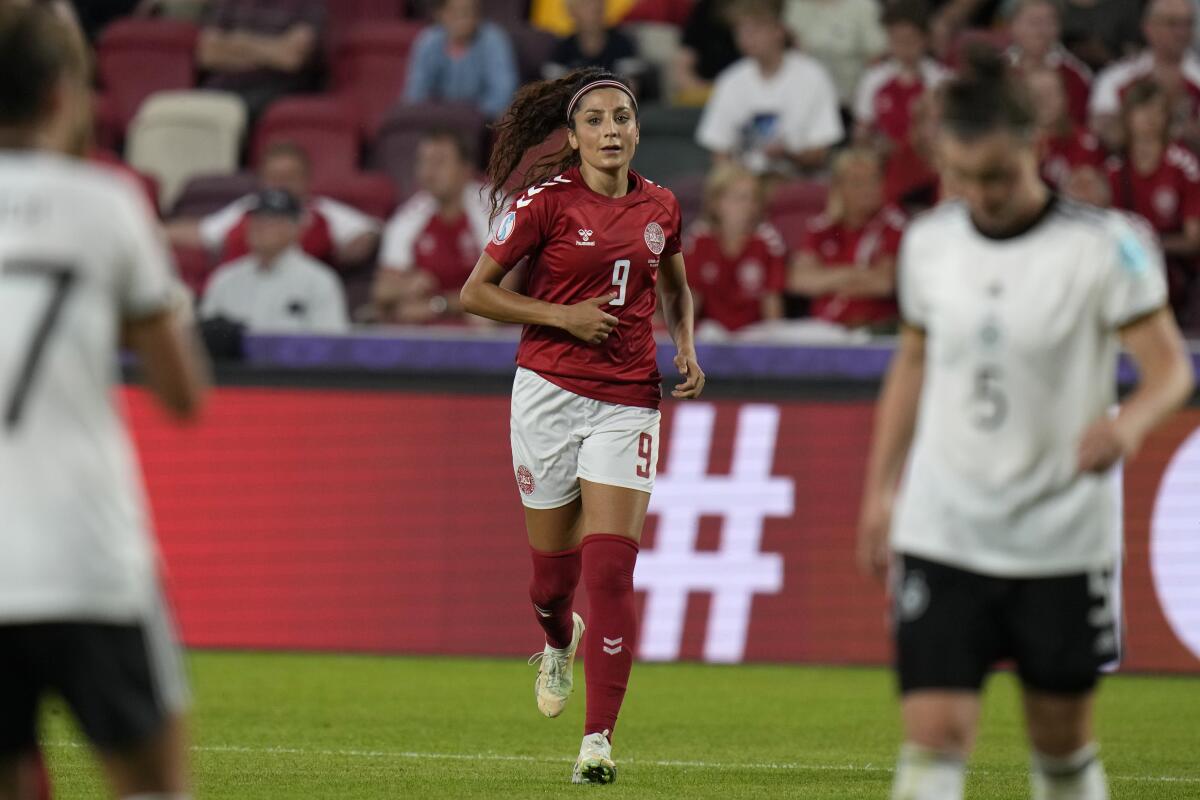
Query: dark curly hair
(538, 110)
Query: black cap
(277, 202)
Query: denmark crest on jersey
(656, 240)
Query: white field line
(715, 765)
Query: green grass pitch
(342, 727)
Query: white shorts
(559, 437)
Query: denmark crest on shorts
(656, 240)
(524, 480)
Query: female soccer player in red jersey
(599, 239)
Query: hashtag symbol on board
(683, 493)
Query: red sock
(552, 590)
(41, 777)
(612, 626)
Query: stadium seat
(658, 45)
(370, 62)
(998, 39)
(138, 57)
(396, 144)
(673, 12)
(193, 265)
(689, 192)
(370, 192)
(177, 135)
(532, 47)
(799, 196)
(325, 127)
(668, 147)
(205, 194)
(343, 14)
(507, 12)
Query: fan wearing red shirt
(1062, 146)
(600, 240)
(847, 260)
(1160, 181)
(736, 262)
(1037, 33)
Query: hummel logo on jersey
(613, 646)
(585, 235)
(541, 611)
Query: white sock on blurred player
(924, 774)
(1078, 776)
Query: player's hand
(693, 377)
(874, 524)
(587, 321)
(1102, 445)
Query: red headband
(605, 83)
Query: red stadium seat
(370, 192)
(325, 127)
(396, 144)
(195, 266)
(206, 194)
(997, 39)
(370, 62)
(346, 13)
(137, 57)
(674, 12)
(793, 204)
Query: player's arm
(173, 363)
(680, 315)
(1165, 381)
(895, 424)
(808, 278)
(483, 296)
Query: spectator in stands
(1036, 33)
(462, 59)
(776, 109)
(261, 49)
(844, 35)
(910, 178)
(847, 260)
(1167, 25)
(950, 18)
(706, 50)
(888, 90)
(1063, 146)
(433, 241)
(557, 16)
(736, 261)
(594, 44)
(1100, 32)
(1160, 180)
(331, 232)
(276, 287)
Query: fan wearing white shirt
(82, 270)
(276, 288)
(1001, 536)
(330, 231)
(775, 110)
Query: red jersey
(1062, 154)
(836, 246)
(582, 245)
(448, 251)
(909, 180)
(1165, 197)
(316, 238)
(886, 93)
(732, 288)
(1075, 75)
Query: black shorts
(120, 681)
(952, 626)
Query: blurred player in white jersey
(82, 268)
(1001, 539)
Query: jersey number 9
(620, 279)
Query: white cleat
(556, 678)
(595, 764)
